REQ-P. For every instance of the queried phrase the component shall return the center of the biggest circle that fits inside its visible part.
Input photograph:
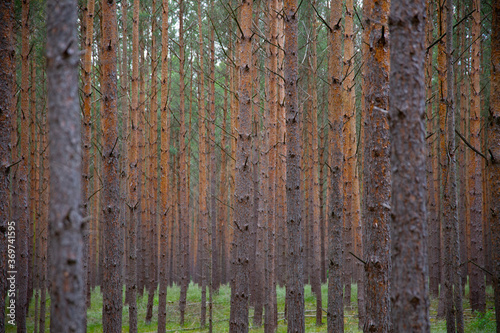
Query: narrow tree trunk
(44, 217)
(476, 275)
(183, 207)
(214, 278)
(65, 227)
(165, 172)
(21, 210)
(349, 172)
(271, 308)
(134, 180)
(452, 284)
(432, 173)
(112, 281)
(376, 172)
(410, 303)
(202, 198)
(335, 314)
(86, 131)
(494, 156)
(7, 115)
(153, 170)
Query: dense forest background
(214, 165)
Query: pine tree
(65, 227)
(113, 247)
(410, 303)
(376, 169)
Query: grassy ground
(475, 322)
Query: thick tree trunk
(113, 247)
(410, 303)
(335, 314)
(238, 321)
(376, 169)
(7, 114)
(65, 227)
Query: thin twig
(355, 256)
(470, 146)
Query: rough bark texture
(7, 113)
(376, 169)
(410, 303)
(183, 207)
(314, 181)
(202, 199)
(113, 247)
(66, 226)
(165, 172)
(133, 181)
(335, 314)
(21, 204)
(153, 171)
(349, 150)
(432, 176)
(442, 158)
(452, 284)
(476, 275)
(238, 321)
(295, 283)
(494, 156)
(271, 308)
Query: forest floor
(475, 322)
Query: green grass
(475, 322)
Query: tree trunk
(21, 210)
(410, 303)
(295, 284)
(65, 227)
(452, 285)
(202, 155)
(153, 170)
(183, 207)
(7, 115)
(134, 180)
(165, 172)
(270, 319)
(238, 321)
(335, 314)
(494, 156)
(376, 169)
(112, 281)
(349, 172)
(476, 275)
(432, 173)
